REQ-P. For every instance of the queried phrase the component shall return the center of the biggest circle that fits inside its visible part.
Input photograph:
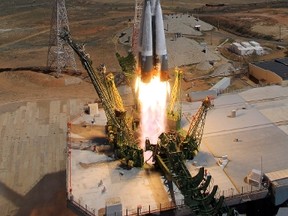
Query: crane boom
(114, 94)
(95, 78)
(198, 195)
(191, 142)
(174, 110)
(175, 92)
(198, 120)
(119, 133)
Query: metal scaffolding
(60, 55)
(136, 27)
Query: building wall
(201, 95)
(221, 85)
(262, 74)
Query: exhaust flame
(152, 97)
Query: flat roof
(257, 133)
(278, 66)
(277, 175)
(283, 61)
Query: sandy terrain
(29, 86)
(271, 22)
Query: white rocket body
(152, 53)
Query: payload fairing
(152, 57)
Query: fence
(77, 207)
(229, 194)
(144, 210)
(139, 210)
(246, 189)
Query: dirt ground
(269, 24)
(24, 38)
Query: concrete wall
(201, 95)
(262, 74)
(280, 193)
(221, 85)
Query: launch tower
(60, 55)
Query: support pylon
(60, 55)
(136, 27)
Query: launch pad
(143, 190)
(169, 149)
(94, 178)
(24, 35)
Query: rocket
(152, 57)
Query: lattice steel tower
(136, 28)
(60, 55)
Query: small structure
(93, 109)
(113, 207)
(201, 95)
(197, 27)
(237, 48)
(270, 72)
(221, 85)
(279, 185)
(258, 48)
(233, 114)
(254, 178)
(247, 48)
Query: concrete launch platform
(102, 180)
(255, 138)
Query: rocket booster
(152, 57)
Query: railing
(243, 190)
(232, 197)
(245, 194)
(139, 210)
(77, 207)
(143, 210)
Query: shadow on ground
(47, 197)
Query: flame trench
(152, 98)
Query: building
(259, 50)
(238, 49)
(221, 85)
(247, 48)
(270, 72)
